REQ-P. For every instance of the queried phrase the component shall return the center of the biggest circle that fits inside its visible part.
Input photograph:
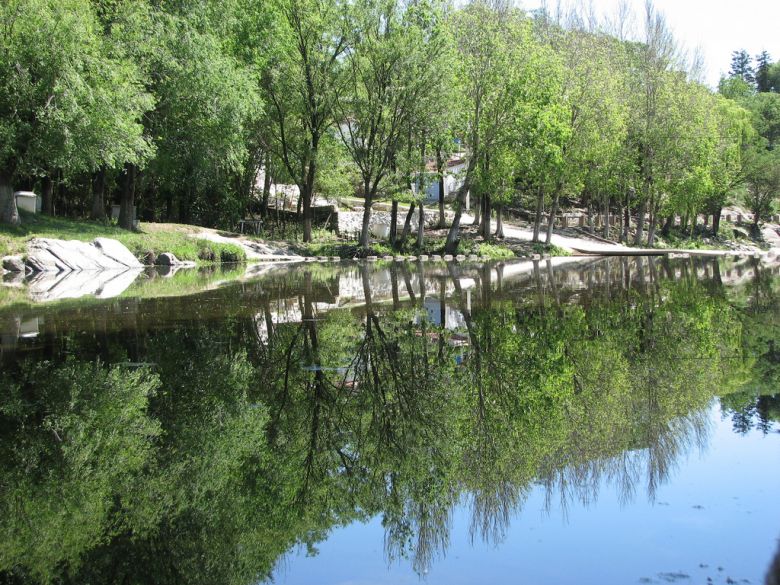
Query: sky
(716, 27)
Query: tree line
(174, 108)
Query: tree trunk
(640, 222)
(421, 228)
(668, 225)
(591, 228)
(8, 211)
(538, 216)
(626, 223)
(393, 223)
(307, 214)
(499, 222)
(651, 231)
(486, 217)
(266, 186)
(440, 162)
(99, 195)
(127, 199)
(477, 210)
(716, 221)
(607, 219)
(452, 236)
(47, 186)
(364, 228)
(553, 212)
(407, 224)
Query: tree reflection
(277, 416)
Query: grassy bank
(327, 244)
(151, 237)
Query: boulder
(117, 252)
(167, 259)
(13, 264)
(50, 255)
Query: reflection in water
(198, 439)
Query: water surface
(590, 420)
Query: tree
(654, 60)
(766, 117)
(304, 81)
(741, 67)
(727, 167)
(64, 101)
(762, 178)
(391, 68)
(207, 106)
(762, 73)
(488, 35)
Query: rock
(13, 264)
(117, 252)
(50, 255)
(167, 259)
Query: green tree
(391, 68)
(304, 81)
(727, 167)
(741, 67)
(762, 73)
(66, 101)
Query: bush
(494, 252)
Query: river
(579, 420)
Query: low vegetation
(151, 239)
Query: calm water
(591, 421)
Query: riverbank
(188, 243)
(205, 246)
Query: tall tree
(742, 66)
(391, 67)
(66, 101)
(762, 74)
(304, 81)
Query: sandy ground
(585, 245)
(255, 251)
(258, 251)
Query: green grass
(494, 252)
(550, 250)
(155, 238)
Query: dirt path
(255, 251)
(585, 245)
